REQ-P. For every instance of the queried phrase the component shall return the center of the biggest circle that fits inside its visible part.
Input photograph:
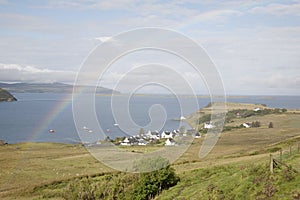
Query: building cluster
(155, 137)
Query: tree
(153, 182)
(143, 186)
(271, 125)
(255, 124)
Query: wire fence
(279, 158)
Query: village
(173, 138)
(167, 138)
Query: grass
(27, 165)
(27, 169)
(236, 181)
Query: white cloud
(278, 9)
(271, 84)
(102, 39)
(181, 78)
(18, 73)
(281, 81)
(248, 58)
(216, 15)
(25, 23)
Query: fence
(283, 154)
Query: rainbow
(51, 116)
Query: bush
(271, 125)
(129, 186)
(80, 189)
(255, 124)
(153, 182)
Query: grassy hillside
(238, 181)
(6, 96)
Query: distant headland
(50, 88)
(6, 96)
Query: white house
(182, 118)
(166, 134)
(256, 109)
(142, 142)
(208, 125)
(152, 135)
(126, 142)
(170, 142)
(197, 135)
(246, 125)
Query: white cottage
(246, 125)
(152, 135)
(126, 142)
(208, 125)
(166, 134)
(170, 142)
(197, 135)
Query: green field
(237, 167)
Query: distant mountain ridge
(49, 88)
(6, 96)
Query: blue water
(31, 117)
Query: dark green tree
(152, 182)
(271, 125)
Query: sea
(49, 117)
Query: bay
(31, 117)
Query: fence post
(271, 163)
(298, 147)
(290, 150)
(281, 154)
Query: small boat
(116, 124)
(90, 131)
(179, 119)
(51, 131)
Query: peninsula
(6, 96)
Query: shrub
(80, 189)
(141, 186)
(271, 125)
(153, 182)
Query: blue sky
(254, 44)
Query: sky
(255, 45)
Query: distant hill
(47, 88)
(6, 96)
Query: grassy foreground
(237, 181)
(237, 168)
